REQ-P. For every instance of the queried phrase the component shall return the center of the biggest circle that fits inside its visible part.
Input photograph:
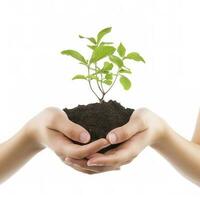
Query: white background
(33, 75)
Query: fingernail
(84, 137)
(67, 160)
(112, 138)
(107, 145)
(94, 164)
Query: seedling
(106, 64)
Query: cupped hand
(52, 128)
(143, 129)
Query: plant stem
(90, 85)
(102, 98)
(100, 88)
(112, 83)
(102, 84)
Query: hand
(144, 128)
(53, 129)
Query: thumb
(77, 133)
(123, 133)
(70, 129)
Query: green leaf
(101, 52)
(104, 72)
(108, 82)
(135, 56)
(125, 71)
(85, 64)
(92, 76)
(91, 39)
(91, 46)
(107, 66)
(74, 54)
(125, 82)
(105, 43)
(121, 50)
(102, 33)
(79, 76)
(115, 59)
(108, 76)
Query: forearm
(183, 154)
(16, 152)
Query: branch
(100, 88)
(89, 81)
(113, 82)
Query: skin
(50, 128)
(144, 129)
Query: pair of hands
(52, 128)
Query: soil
(100, 118)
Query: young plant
(105, 65)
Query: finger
(65, 147)
(78, 168)
(115, 159)
(60, 122)
(80, 163)
(122, 154)
(83, 164)
(123, 133)
(83, 151)
(94, 155)
(77, 133)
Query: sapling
(105, 65)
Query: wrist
(32, 138)
(164, 138)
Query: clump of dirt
(100, 118)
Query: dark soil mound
(100, 118)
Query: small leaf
(108, 82)
(115, 59)
(101, 52)
(125, 71)
(107, 66)
(121, 50)
(74, 54)
(108, 76)
(135, 56)
(92, 76)
(102, 33)
(91, 39)
(125, 82)
(79, 76)
(91, 47)
(85, 64)
(107, 43)
(104, 71)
